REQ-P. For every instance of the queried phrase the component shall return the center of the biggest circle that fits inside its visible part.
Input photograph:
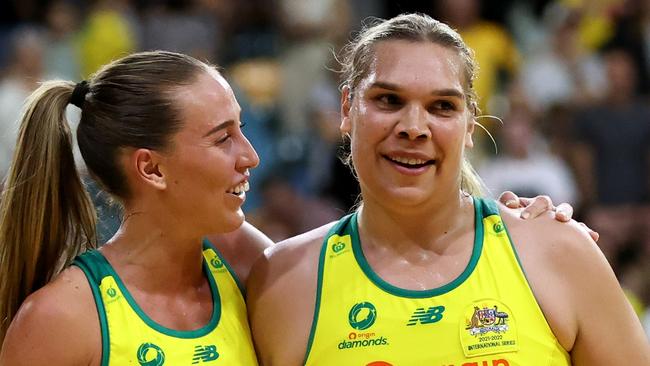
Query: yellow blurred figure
(106, 36)
(596, 22)
(495, 52)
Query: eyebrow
(220, 127)
(449, 92)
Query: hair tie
(78, 96)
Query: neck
(430, 228)
(155, 252)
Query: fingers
(563, 212)
(594, 235)
(538, 206)
(509, 199)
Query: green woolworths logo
(498, 227)
(362, 315)
(216, 263)
(337, 247)
(150, 355)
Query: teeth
(409, 161)
(243, 187)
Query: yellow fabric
(134, 339)
(486, 317)
(494, 51)
(636, 302)
(106, 37)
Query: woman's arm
(608, 330)
(578, 293)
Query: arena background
(570, 80)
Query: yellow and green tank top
(130, 337)
(488, 316)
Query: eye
(444, 106)
(388, 101)
(242, 124)
(222, 139)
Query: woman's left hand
(533, 207)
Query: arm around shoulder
(241, 248)
(281, 299)
(56, 325)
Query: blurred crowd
(564, 89)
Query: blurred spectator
(495, 51)
(253, 33)
(61, 54)
(524, 164)
(310, 33)
(24, 71)
(612, 156)
(524, 18)
(182, 26)
(109, 33)
(564, 72)
(324, 120)
(257, 83)
(596, 24)
(633, 34)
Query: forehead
(415, 64)
(207, 101)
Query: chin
(233, 222)
(409, 196)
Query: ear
(147, 168)
(471, 123)
(346, 105)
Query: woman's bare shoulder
(56, 325)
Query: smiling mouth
(410, 162)
(239, 189)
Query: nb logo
(431, 315)
(205, 354)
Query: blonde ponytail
(46, 216)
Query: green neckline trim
(419, 294)
(207, 244)
(101, 311)
(319, 286)
(185, 334)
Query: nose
(413, 124)
(249, 158)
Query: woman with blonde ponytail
(160, 131)
(37, 240)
